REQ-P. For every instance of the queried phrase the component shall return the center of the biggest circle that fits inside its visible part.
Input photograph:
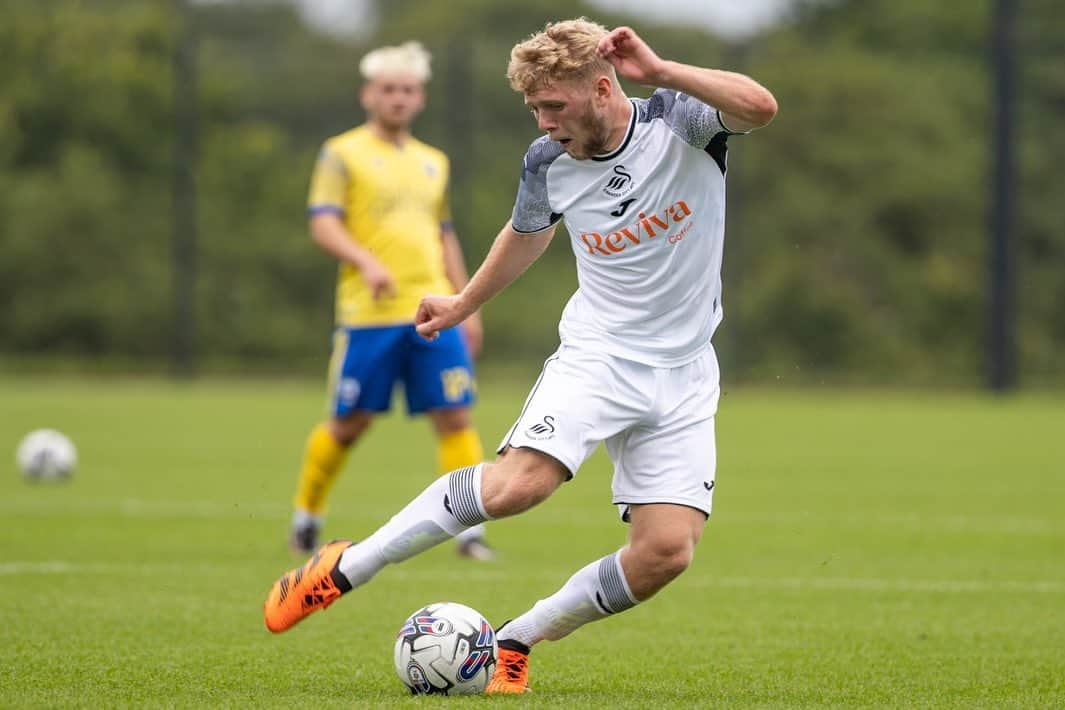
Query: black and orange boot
(512, 669)
(306, 589)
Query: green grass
(867, 549)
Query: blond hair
(408, 58)
(563, 51)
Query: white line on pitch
(945, 586)
(137, 507)
(831, 584)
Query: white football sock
(595, 592)
(448, 506)
(302, 519)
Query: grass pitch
(867, 549)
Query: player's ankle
(514, 645)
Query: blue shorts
(366, 363)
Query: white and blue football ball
(446, 649)
(46, 455)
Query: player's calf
(519, 480)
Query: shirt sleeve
(532, 208)
(329, 184)
(695, 122)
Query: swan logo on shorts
(542, 430)
(348, 391)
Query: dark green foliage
(858, 220)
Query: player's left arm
(744, 104)
(455, 270)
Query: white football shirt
(646, 224)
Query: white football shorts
(657, 423)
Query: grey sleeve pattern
(532, 209)
(692, 120)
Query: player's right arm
(511, 254)
(332, 237)
(325, 204)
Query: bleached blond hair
(409, 58)
(563, 51)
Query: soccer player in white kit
(640, 185)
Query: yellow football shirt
(394, 202)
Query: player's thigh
(363, 369)
(438, 374)
(580, 399)
(665, 528)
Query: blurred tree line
(857, 245)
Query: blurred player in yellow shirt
(379, 204)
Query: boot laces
(514, 666)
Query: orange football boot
(314, 586)
(512, 669)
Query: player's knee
(450, 421)
(665, 558)
(347, 430)
(517, 482)
(675, 561)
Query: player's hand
(632, 58)
(436, 313)
(378, 279)
(473, 329)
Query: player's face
(572, 114)
(394, 100)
